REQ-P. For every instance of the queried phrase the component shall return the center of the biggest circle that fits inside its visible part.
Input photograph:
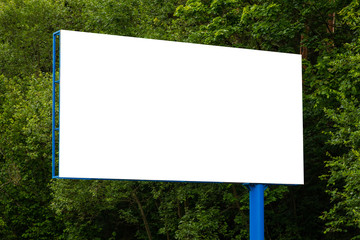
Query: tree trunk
(142, 215)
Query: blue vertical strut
(53, 104)
(256, 211)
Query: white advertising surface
(144, 109)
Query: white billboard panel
(144, 109)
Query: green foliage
(25, 155)
(34, 207)
(201, 211)
(344, 169)
(25, 35)
(237, 23)
(110, 16)
(94, 209)
(336, 90)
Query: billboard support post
(256, 211)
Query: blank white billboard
(144, 109)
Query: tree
(25, 36)
(344, 167)
(25, 154)
(34, 207)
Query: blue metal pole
(53, 105)
(257, 211)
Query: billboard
(144, 109)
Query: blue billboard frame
(55, 127)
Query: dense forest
(35, 206)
